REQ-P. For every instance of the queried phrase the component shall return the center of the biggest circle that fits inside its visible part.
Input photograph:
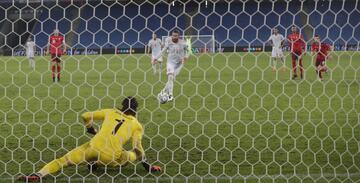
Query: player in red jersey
(323, 51)
(297, 46)
(57, 48)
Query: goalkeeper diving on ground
(106, 147)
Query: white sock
(32, 63)
(170, 84)
(273, 63)
(154, 67)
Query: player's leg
(53, 67)
(160, 69)
(273, 63)
(170, 71)
(301, 65)
(177, 69)
(81, 154)
(125, 158)
(159, 65)
(293, 62)
(32, 61)
(153, 65)
(58, 67)
(282, 59)
(318, 69)
(273, 59)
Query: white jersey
(155, 46)
(30, 47)
(276, 40)
(176, 51)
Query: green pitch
(232, 118)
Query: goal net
(198, 43)
(234, 118)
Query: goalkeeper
(106, 147)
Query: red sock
(320, 76)
(53, 67)
(301, 66)
(58, 71)
(294, 66)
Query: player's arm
(270, 41)
(147, 48)
(187, 53)
(139, 151)
(48, 46)
(64, 46)
(90, 117)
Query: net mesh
(233, 119)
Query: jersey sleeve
(137, 142)
(89, 117)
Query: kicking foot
(170, 98)
(54, 79)
(321, 79)
(30, 178)
(301, 76)
(294, 77)
(58, 79)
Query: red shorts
(319, 62)
(55, 58)
(296, 54)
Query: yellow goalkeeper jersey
(116, 130)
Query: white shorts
(173, 68)
(277, 52)
(159, 59)
(30, 54)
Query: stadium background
(232, 117)
(235, 25)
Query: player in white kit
(277, 42)
(30, 52)
(155, 46)
(177, 55)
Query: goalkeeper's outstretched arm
(140, 153)
(89, 118)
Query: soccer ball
(163, 97)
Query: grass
(232, 118)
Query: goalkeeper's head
(129, 106)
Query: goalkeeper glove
(91, 130)
(148, 167)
